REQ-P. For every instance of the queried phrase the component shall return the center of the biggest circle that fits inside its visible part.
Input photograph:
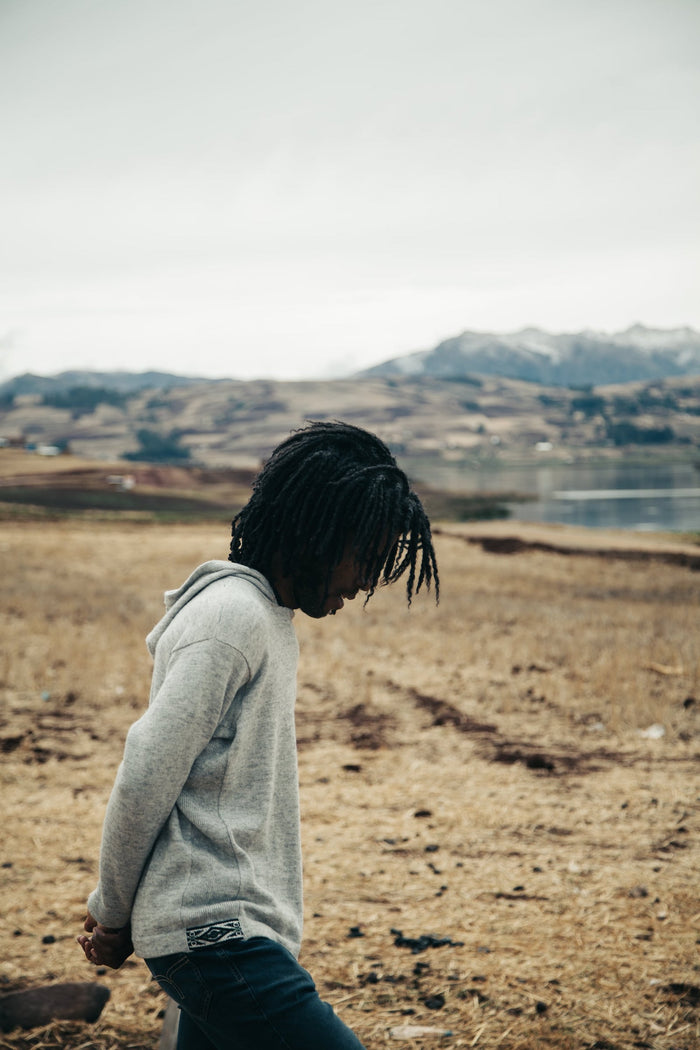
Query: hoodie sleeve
(161, 748)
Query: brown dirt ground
(479, 773)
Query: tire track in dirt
(557, 759)
(517, 545)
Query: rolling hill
(428, 421)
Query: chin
(315, 611)
(314, 603)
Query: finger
(87, 949)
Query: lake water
(663, 496)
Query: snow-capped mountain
(564, 359)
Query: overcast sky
(302, 188)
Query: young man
(200, 861)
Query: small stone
(434, 1002)
(638, 891)
(34, 1007)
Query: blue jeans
(248, 995)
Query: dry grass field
(480, 774)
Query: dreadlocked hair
(326, 485)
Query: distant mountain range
(578, 359)
(569, 360)
(126, 382)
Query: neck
(282, 586)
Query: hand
(106, 946)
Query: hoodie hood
(203, 575)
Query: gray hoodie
(201, 841)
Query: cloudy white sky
(298, 189)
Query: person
(200, 861)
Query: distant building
(125, 482)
